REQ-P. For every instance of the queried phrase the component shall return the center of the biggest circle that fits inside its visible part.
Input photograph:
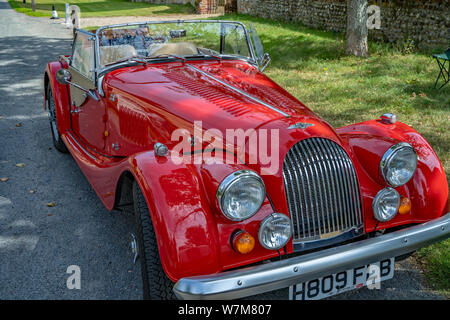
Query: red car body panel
(145, 104)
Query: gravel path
(37, 242)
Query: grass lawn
(342, 89)
(100, 8)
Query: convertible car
(236, 187)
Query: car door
(87, 111)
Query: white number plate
(369, 275)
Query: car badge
(300, 125)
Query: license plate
(369, 275)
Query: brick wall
(167, 1)
(216, 6)
(202, 6)
(425, 22)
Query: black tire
(57, 141)
(156, 285)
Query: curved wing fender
(60, 94)
(184, 226)
(428, 188)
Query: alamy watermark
(373, 17)
(213, 146)
(74, 280)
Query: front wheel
(57, 141)
(156, 285)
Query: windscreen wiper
(136, 59)
(165, 55)
(218, 58)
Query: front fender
(60, 95)
(428, 188)
(184, 226)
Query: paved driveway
(37, 242)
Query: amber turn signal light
(243, 242)
(405, 205)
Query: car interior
(117, 44)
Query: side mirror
(63, 76)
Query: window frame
(90, 37)
(100, 71)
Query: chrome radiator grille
(322, 190)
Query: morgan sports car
(235, 186)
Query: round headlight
(385, 205)
(275, 231)
(398, 164)
(241, 194)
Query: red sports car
(237, 188)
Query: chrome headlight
(385, 205)
(275, 231)
(398, 164)
(241, 194)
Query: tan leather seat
(109, 54)
(175, 48)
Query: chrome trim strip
(304, 175)
(319, 194)
(287, 176)
(325, 194)
(326, 170)
(308, 165)
(343, 157)
(338, 184)
(239, 91)
(281, 274)
(317, 244)
(100, 86)
(81, 147)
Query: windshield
(172, 40)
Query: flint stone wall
(427, 23)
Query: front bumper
(276, 275)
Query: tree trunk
(357, 27)
(33, 6)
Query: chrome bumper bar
(280, 274)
